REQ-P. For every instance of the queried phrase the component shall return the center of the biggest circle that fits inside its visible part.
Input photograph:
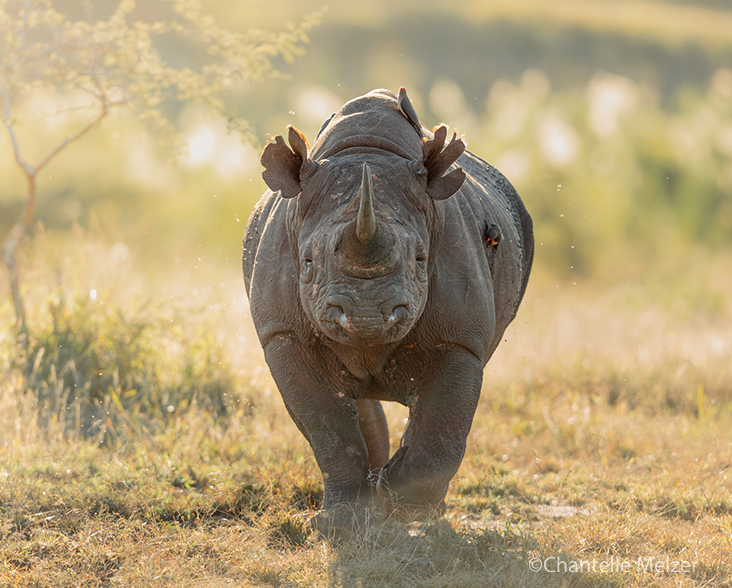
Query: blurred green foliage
(88, 67)
(619, 141)
(144, 57)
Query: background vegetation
(141, 439)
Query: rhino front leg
(329, 421)
(415, 480)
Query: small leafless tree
(115, 64)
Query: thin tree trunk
(18, 230)
(9, 247)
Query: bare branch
(87, 128)
(8, 120)
(19, 228)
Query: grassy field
(601, 445)
(142, 441)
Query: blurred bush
(105, 370)
(615, 184)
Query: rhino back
(477, 288)
(370, 122)
(499, 188)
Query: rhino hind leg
(375, 431)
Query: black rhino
(381, 265)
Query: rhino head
(362, 229)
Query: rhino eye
(421, 259)
(307, 270)
(420, 256)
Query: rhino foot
(409, 500)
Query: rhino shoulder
(253, 235)
(269, 272)
(478, 283)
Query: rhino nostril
(397, 315)
(337, 315)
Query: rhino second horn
(366, 219)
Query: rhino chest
(393, 376)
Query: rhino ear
(438, 160)
(285, 168)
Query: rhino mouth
(366, 326)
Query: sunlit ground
(601, 432)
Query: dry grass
(602, 437)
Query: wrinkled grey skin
(402, 300)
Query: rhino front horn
(366, 244)
(366, 219)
